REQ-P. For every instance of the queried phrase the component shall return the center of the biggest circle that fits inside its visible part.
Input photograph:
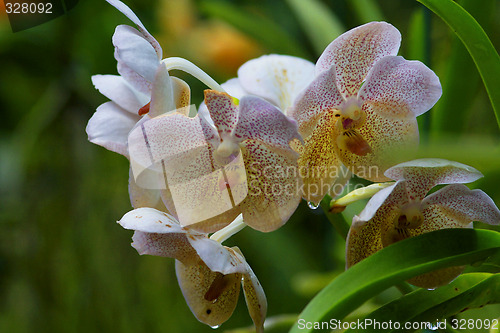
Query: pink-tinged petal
(355, 52)
(261, 121)
(175, 146)
(141, 197)
(223, 111)
(321, 96)
(138, 82)
(211, 296)
(273, 186)
(423, 174)
(254, 294)
(120, 91)
(109, 127)
(319, 167)
(135, 52)
(131, 15)
(276, 78)
(388, 141)
(158, 233)
(401, 86)
(457, 201)
(366, 233)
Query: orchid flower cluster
(284, 130)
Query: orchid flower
(359, 112)
(405, 210)
(139, 59)
(233, 159)
(209, 274)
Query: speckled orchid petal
(321, 96)
(109, 127)
(223, 111)
(390, 140)
(158, 233)
(176, 146)
(135, 52)
(254, 295)
(261, 121)
(211, 296)
(120, 91)
(319, 167)
(181, 92)
(273, 186)
(365, 234)
(131, 15)
(398, 86)
(276, 78)
(464, 205)
(355, 52)
(424, 174)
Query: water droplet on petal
(215, 327)
(313, 205)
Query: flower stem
(190, 68)
(337, 220)
(228, 231)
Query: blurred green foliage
(66, 266)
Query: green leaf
(267, 32)
(453, 111)
(477, 43)
(467, 291)
(319, 22)
(394, 264)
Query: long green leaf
(477, 43)
(394, 264)
(318, 21)
(467, 291)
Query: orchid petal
(355, 52)
(131, 15)
(423, 174)
(141, 197)
(211, 296)
(254, 295)
(158, 233)
(223, 111)
(390, 140)
(162, 94)
(261, 121)
(463, 205)
(175, 146)
(218, 258)
(120, 91)
(401, 86)
(182, 93)
(234, 88)
(319, 97)
(276, 78)
(109, 127)
(365, 234)
(136, 52)
(319, 167)
(136, 81)
(274, 186)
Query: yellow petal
(211, 296)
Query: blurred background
(66, 266)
